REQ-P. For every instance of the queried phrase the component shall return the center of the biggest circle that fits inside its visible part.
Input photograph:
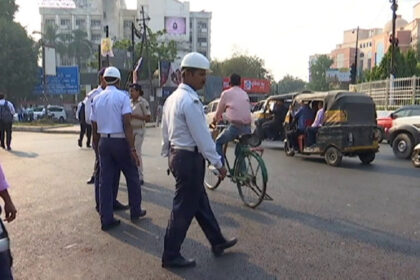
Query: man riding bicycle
(235, 108)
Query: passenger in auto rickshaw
(273, 129)
(313, 129)
(302, 118)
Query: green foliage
(18, 56)
(242, 64)
(290, 84)
(80, 48)
(8, 9)
(318, 73)
(157, 48)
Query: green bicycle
(248, 171)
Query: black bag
(5, 113)
(82, 113)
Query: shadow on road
(381, 239)
(24, 154)
(148, 237)
(163, 197)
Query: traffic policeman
(139, 117)
(187, 142)
(113, 136)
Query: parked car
(386, 122)
(39, 112)
(404, 135)
(57, 113)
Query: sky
(283, 33)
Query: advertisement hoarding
(176, 25)
(251, 85)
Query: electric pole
(394, 8)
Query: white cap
(195, 60)
(112, 72)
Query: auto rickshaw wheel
(367, 158)
(415, 158)
(333, 156)
(288, 149)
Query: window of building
(65, 22)
(340, 60)
(80, 22)
(127, 23)
(50, 21)
(202, 40)
(95, 23)
(96, 37)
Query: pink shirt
(3, 183)
(235, 102)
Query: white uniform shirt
(88, 102)
(108, 109)
(184, 124)
(11, 107)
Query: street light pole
(394, 8)
(356, 58)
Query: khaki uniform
(139, 107)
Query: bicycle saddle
(250, 139)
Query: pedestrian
(7, 110)
(114, 140)
(85, 128)
(187, 142)
(10, 214)
(88, 110)
(273, 129)
(159, 114)
(139, 117)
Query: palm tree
(80, 48)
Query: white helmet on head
(195, 60)
(112, 72)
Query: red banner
(251, 85)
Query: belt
(190, 149)
(112, 135)
(4, 245)
(238, 123)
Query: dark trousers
(5, 132)
(5, 258)
(85, 129)
(190, 201)
(115, 155)
(292, 138)
(311, 136)
(96, 173)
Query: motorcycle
(415, 157)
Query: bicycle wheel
(211, 181)
(251, 178)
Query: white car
(38, 112)
(57, 113)
(211, 110)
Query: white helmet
(195, 60)
(112, 72)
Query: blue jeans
(230, 134)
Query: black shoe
(141, 215)
(91, 180)
(141, 182)
(113, 224)
(118, 206)
(179, 262)
(79, 142)
(88, 145)
(9, 148)
(218, 249)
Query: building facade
(190, 30)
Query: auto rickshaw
(349, 127)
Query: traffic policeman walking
(139, 117)
(187, 142)
(113, 136)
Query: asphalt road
(352, 222)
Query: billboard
(176, 25)
(251, 85)
(337, 75)
(67, 81)
(50, 64)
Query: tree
(290, 84)
(243, 65)
(80, 48)
(18, 55)
(318, 73)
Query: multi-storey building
(191, 30)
